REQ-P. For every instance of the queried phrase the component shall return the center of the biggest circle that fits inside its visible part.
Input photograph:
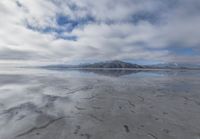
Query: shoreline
(131, 69)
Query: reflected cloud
(67, 101)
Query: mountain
(175, 66)
(111, 64)
(116, 64)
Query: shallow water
(99, 104)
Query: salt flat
(53, 104)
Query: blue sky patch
(185, 51)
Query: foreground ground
(113, 105)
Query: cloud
(88, 30)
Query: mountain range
(117, 64)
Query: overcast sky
(78, 31)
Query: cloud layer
(87, 30)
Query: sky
(82, 31)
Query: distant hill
(116, 64)
(174, 66)
(111, 64)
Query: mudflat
(45, 104)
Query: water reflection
(114, 73)
(46, 104)
(141, 73)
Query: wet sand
(42, 104)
